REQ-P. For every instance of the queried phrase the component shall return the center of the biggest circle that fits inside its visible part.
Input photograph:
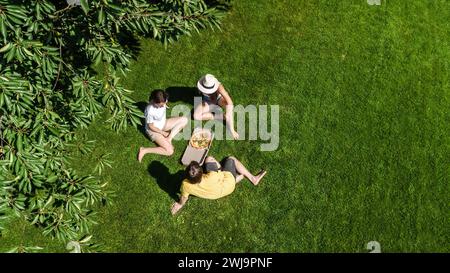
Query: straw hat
(208, 84)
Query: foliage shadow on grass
(170, 183)
(131, 44)
(224, 5)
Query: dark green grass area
(364, 100)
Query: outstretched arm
(178, 205)
(229, 110)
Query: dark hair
(159, 96)
(194, 172)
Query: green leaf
(19, 143)
(98, 58)
(85, 240)
(101, 16)
(11, 54)
(85, 6)
(27, 52)
(7, 47)
(52, 179)
(3, 28)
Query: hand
(176, 207)
(235, 135)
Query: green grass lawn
(364, 100)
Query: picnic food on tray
(200, 140)
(198, 146)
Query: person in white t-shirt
(158, 128)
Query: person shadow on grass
(170, 183)
(184, 94)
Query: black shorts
(227, 166)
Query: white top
(154, 115)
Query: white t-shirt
(154, 115)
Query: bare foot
(258, 177)
(140, 154)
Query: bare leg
(202, 112)
(165, 148)
(175, 125)
(241, 169)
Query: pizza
(200, 140)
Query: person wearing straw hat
(213, 95)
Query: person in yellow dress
(215, 181)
